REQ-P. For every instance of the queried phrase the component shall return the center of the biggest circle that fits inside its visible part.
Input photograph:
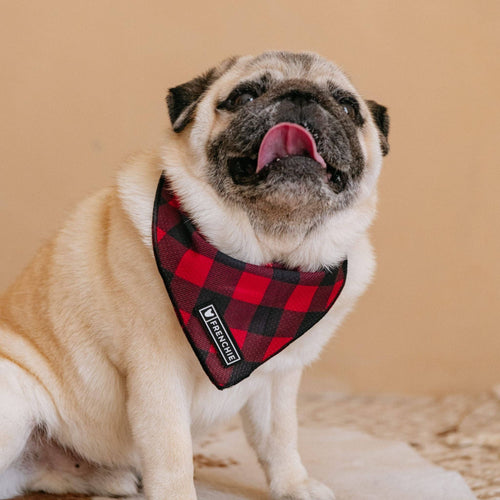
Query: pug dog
(273, 159)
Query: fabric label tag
(220, 334)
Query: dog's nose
(299, 97)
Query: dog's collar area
(235, 315)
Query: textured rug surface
(458, 433)
(355, 465)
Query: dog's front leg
(158, 406)
(270, 422)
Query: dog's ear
(381, 119)
(182, 100)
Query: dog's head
(284, 137)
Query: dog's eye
(347, 102)
(350, 108)
(238, 98)
(243, 99)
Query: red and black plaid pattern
(264, 307)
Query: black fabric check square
(235, 315)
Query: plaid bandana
(235, 315)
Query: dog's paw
(310, 489)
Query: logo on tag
(209, 313)
(220, 334)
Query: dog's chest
(211, 407)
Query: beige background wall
(82, 85)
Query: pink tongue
(287, 139)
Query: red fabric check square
(301, 298)
(276, 344)
(194, 268)
(251, 288)
(335, 292)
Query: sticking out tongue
(287, 139)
